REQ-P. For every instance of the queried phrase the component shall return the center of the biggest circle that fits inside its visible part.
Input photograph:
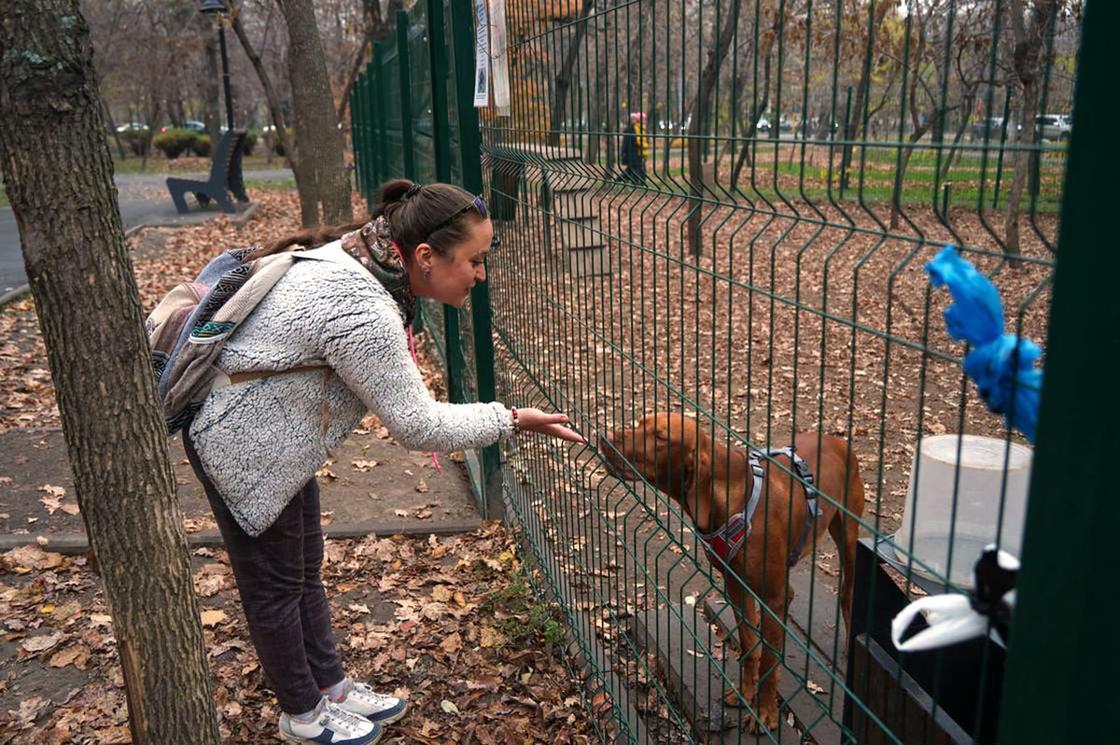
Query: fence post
(470, 148)
(407, 143)
(441, 136)
(356, 137)
(1058, 684)
(369, 138)
(382, 112)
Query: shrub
(174, 142)
(136, 140)
(249, 144)
(200, 145)
(274, 141)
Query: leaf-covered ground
(448, 622)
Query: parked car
(1053, 127)
(189, 124)
(991, 127)
(763, 124)
(132, 127)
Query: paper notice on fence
(499, 58)
(481, 56)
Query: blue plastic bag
(1001, 365)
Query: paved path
(142, 198)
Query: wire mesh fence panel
(715, 221)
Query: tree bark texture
(324, 189)
(562, 83)
(698, 127)
(59, 179)
(271, 97)
(1029, 63)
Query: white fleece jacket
(260, 440)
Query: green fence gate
(752, 255)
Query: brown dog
(713, 483)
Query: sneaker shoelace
(368, 692)
(334, 713)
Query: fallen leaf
(452, 643)
(54, 491)
(400, 513)
(490, 637)
(40, 643)
(23, 559)
(813, 687)
(364, 466)
(448, 707)
(422, 487)
(212, 617)
(70, 508)
(76, 655)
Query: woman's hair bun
(396, 190)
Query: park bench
(225, 177)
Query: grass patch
(283, 184)
(520, 617)
(160, 164)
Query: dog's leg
(746, 614)
(774, 632)
(845, 533)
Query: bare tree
(377, 28)
(1029, 62)
(324, 189)
(562, 83)
(59, 177)
(698, 127)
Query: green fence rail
(750, 256)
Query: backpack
(190, 325)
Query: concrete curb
(77, 543)
(12, 295)
(239, 219)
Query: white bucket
(973, 468)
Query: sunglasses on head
(476, 204)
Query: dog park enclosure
(807, 159)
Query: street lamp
(213, 8)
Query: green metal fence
(760, 269)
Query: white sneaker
(331, 724)
(360, 699)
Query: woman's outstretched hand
(553, 425)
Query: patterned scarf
(374, 248)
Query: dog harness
(727, 541)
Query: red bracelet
(516, 421)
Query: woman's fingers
(562, 432)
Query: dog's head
(669, 450)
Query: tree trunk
(58, 175)
(113, 131)
(1027, 59)
(271, 97)
(376, 30)
(862, 90)
(563, 81)
(698, 128)
(900, 176)
(756, 112)
(324, 189)
(966, 116)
